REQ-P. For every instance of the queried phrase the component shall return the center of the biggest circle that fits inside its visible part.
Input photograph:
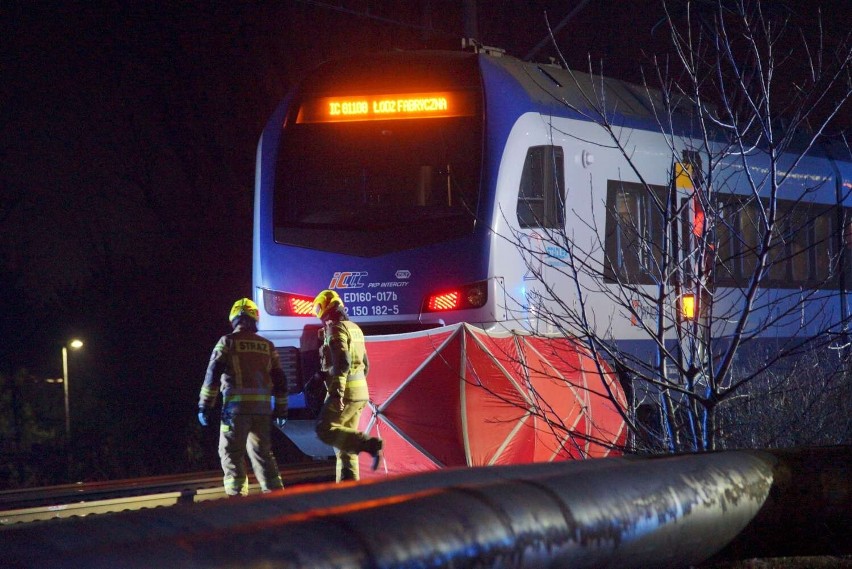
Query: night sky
(127, 145)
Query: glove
(204, 416)
(279, 422)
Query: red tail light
(468, 296)
(287, 304)
(444, 301)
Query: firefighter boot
(374, 447)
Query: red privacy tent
(460, 396)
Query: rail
(85, 499)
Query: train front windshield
(378, 172)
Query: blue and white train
(406, 181)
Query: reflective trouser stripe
(235, 485)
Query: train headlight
(476, 295)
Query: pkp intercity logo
(347, 279)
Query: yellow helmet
(244, 307)
(325, 301)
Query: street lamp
(74, 344)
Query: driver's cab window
(541, 197)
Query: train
(435, 187)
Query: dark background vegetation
(127, 141)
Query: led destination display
(386, 107)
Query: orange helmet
(325, 301)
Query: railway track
(85, 499)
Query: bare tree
(803, 401)
(718, 235)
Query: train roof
(569, 92)
(566, 92)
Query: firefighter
(343, 357)
(246, 369)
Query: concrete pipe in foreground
(672, 511)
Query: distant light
(75, 344)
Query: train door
(540, 212)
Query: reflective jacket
(344, 356)
(246, 369)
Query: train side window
(824, 249)
(845, 262)
(541, 196)
(779, 257)
(749, 239)
(801, 242)
(725, 230)
(803, 250)
(634, 226)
